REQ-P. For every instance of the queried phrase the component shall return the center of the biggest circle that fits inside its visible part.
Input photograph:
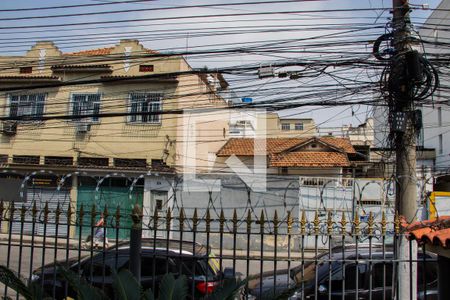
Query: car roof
(185, 247)
(363, 250)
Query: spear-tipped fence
(255, 246)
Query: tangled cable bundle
(397, 81)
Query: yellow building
(255, 123)
(290, 127)
(77, 127)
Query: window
(26, 159)
(26, 70)
(157, 163)
(93, 161)
(188, 264)
(130, 162)
(298, 126)
(142, 105)
(285, 126)
(146, 68)
(99, 268)
(382, 275)
(3, 158)
(86, 104)
(159, 264)
(58, 160)
(429, 275)
(351, 272)
(441, 145)
(27, 105)
(284, 170)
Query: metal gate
(111, 198)
(41, 196)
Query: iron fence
(329, 256)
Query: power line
(189, 17)
(73, 6)
(123, 11)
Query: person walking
(100, 233)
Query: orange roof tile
(28, 77)
(343, 143)
(80, 66)
(93, 52)
(435, 232)
(245, 146)
(102, 51)
(151, 51)
(310, 159)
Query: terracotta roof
(343, 143)
(102, 51)
(146, 78)
(245, 146)
(93, 52)
(80, 66)
(149, 76)
(28, 77)
(310, 159)
(435, 232)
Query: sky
(292, 32)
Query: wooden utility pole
(405, 143)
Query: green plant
(31, 291)
(126, 287)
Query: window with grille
(85, 105)
(285, 126)
(146, 68)
(144, 108)
(26, 70)
(31, 106)
(298, 126)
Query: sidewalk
(74, 245)
(17, 239)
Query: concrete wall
(436, 116)
(287, 193)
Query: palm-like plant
(125, 285)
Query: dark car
(368, 273)
(202, 270)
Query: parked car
(202, 271)
(377, 284)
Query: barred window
(26, 70)
(298, 126)
(27, 105)
(143, 107)
(146, 68)
(285, 126)
(85, 105)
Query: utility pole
(405, 144)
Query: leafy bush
(126, 287)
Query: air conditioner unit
(82, 128)
(8, 127)
(241, 123)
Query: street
(22, 258)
